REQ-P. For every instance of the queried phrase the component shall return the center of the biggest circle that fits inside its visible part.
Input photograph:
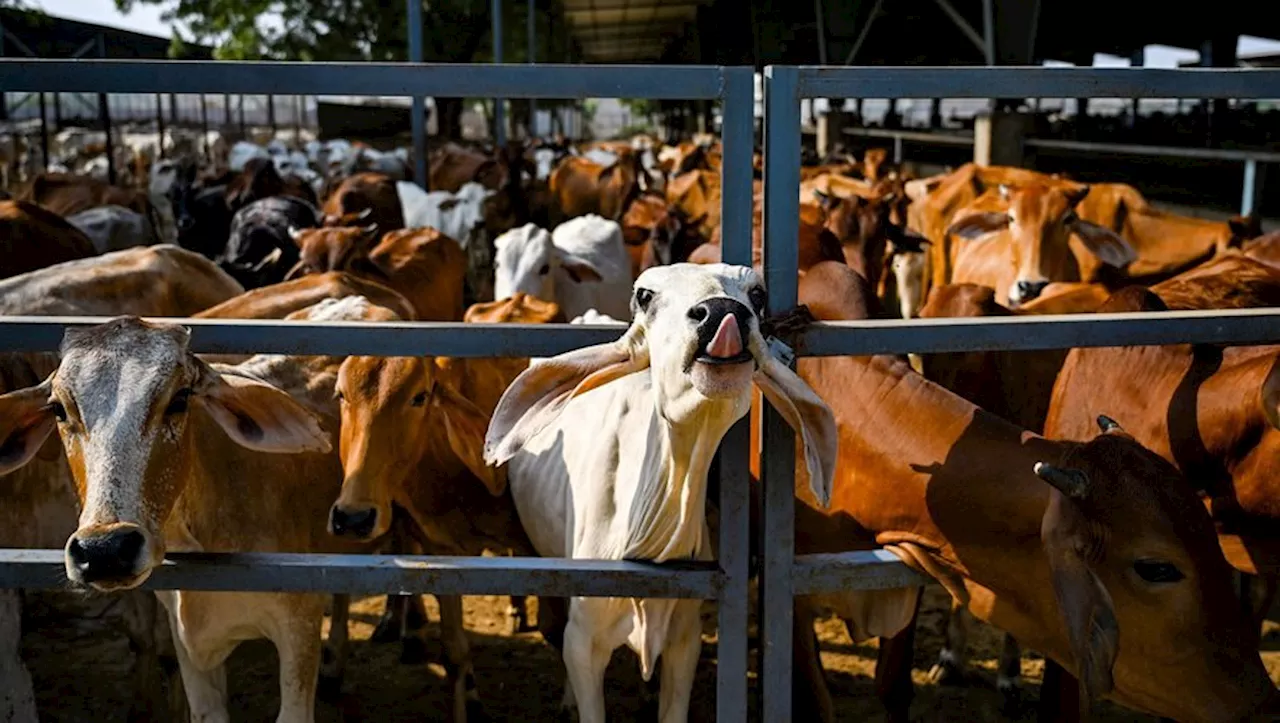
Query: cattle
(37, 502)
(816, 242)
(32, 238)
(112, 228)
(657, 234)
(1079, 545)
(580, 187)
(632, 483)
(66, 195)
(453, 166)
(1018, 240)
(218, 433)
(278, 300)
(697, 195)
(1264, 248)
(581, 265)
(366, 191)
(260, 249)
(472, 217)
(261, 180)
(203, 219)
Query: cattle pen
(782, 573)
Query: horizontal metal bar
(844, 338)
(865, 570)
(1208, 154)
(363, 79)
(941, 139)
(1037, 82)
(1057, 331)
(285, 572)
(250, 336)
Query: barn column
(499, 116)
(998, 138)
(1009, 36)
(831, 127)
(1218, 52)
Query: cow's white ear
(536, 398)
(809, 416)
(259, 416)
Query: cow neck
(669, 508)
(923, 466)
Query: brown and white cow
(369, 197)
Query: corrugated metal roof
(628, 31)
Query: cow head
(696, 331)
(526, 260)
(1040, 219)
(123, 401)
(1125, 535)
(345, 248)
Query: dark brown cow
(374, 193)
(1075, 547)
(67, 195)
(260, 180)
(580, 186)
(423, 265)
(657, 234)
(32, 237)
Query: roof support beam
(866, 30)
(964, 26)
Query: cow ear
(258, 416)
(1083, 601)
(26, 420)
(978, 225)
(535, 399)
(809, 416)
(578, 268)
(1104, 243)
(465, 425)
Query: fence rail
(782, 573)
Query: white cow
(582, 265)
(112, 228)
(609, 449)
(456, 215)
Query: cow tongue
(727, 342)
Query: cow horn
(364, 214)
(370, 230)
(1107, 424)
(1071, 482)
(295, 233)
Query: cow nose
(186, 223)
(709, 316)
(110, 556)
(352, 523)
(1028, 290)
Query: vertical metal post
(271, 114)
(242, 131)
(297, 122)
(160, 124)
(4, 97)
(417, 121)
(819, 15)
(57, 111)
(532, 41)
(226, 110)
(499, 117)
(204, 124)
(738, 134)
(44, 134)
(897, 148)
(1254, 176)
(104, 116)
(989, 31)
(777, 508)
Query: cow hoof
(946, 672)
(1010, 699)
(413, 651)
(329, 688)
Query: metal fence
(782, 573)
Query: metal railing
(782, 573)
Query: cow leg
(585, 660)
(680, 662)
(402, 614)
(553, 616)
(1256, 596)
(811, 700)
(1008, 675)
(953, 658)
(142, 619)
(464, 697)
(893, 669)
(298, 644)
(333, 665)
(518, 615)
(413, 641)
(1059, 696)
(206, 688)
(17, 696)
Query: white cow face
(122, 400)
(526, 260)
(696, 329)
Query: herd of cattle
(1093, 503)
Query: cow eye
(546, 269)
(758, 299)
(178, 403)
(419, 399)
(59, 411)
(1154, 571)
(643, 298)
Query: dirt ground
(81, 667)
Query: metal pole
(1255, 175)
(104, 115)
(226, 110)
(822, 32)
(499, 117)
(417, 122)
(44, 134)
(242, 131)
(297, 121)
(204, 124)
(777, 508)
(989, 31)
(897, 148)
(533, 60)
(738, 133)
(160, 123)
(4, 97)
(271, 114)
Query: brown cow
(697, 195)
(581, 187)
(817, 243)
(1264, 248)
(32, 237)
(657, 234)
(374, 192)
(1127, 553)
(67, 195)
(453, 166)
(423, 265)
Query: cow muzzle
(357, 523)
(723, 363)
(1024, 291)
(108, 558)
